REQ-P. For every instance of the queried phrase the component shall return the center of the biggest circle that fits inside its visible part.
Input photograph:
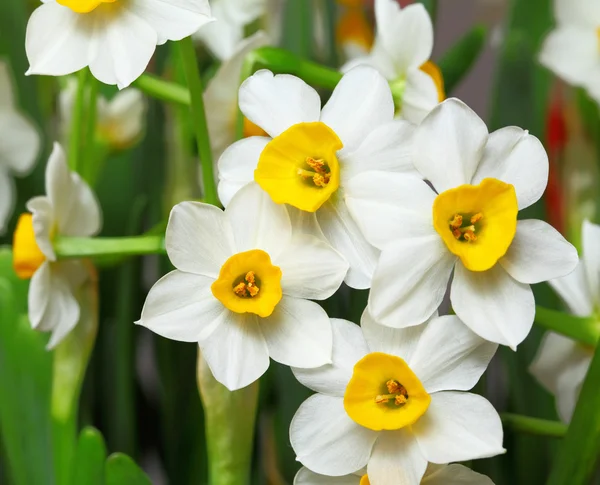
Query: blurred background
(140, 389)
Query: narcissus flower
(561, 363)
(19, 145)
(115, 38)
(69, 208)
(572, 49)
(241, 288)
(311, 154)
(402, 51)
(434, 475)
(354, 33)
(466, 223)
(390, 401)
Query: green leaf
(582, 329)
(527, 424)
(122, 470)
(90, 458)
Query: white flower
(221, 97)
(224, 36)
(120, 121)
(115, 38)
(403, 45)
(572, 49)
(241, 288)
(467, 225)
(390, 402)
(434, 475)
(561, 363)
(354, 34)
(19, 145)
(313, 154)
(69, 208)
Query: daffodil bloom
(224, 36)
(390, 401)
(69, 208)
(221, 97)
(19, 145)
(115, 38)
(241, 288)
(311, 154)
(120, 120)
(401, 52)
(434, 475)
(561, 363)
(572, 49)
(464, 223)
(354, 33)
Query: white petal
(180, 306)
(7, 199)
(237, 165)
(387, 148)
(410, 281)
(345, 236)
(43, 224)
(172, 19)
(326, 440)
(306, 477)
(236, 351)
(493, 304)
(57, 40)
(538, 253)
(449, 356)
(222, 36)
(579, 13)
(455, 475)
(311, 268)
(569, 383)
(459, 426)
(518, 158)
(420, 96)
(19, 142)
(277, 102)
(591, 257)
(198, 238)
(125, 114)
(407, 36)
(574, 291)
(379, 59)
(7, 95)
(396, 459)
(305, 223)
(39, 295)
(257, 222)
(388, 206)
(349, 346)
(361, 102)
(449, 144)
(298, 333)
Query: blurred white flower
(19, 145)
(561, 363)
(390, 402)
(311, 155)
(403, 46)
(242, 288)
(120, 121)
(354, 33)
(572, 49)
(464, 223)
(69, 208)
(115, 38)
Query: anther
(240, 289)
(393, 386)
(476, 218)
(248, 286)
(400, 400)
(469, 236)
(456, 221)
(381, 400)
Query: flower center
(300, 167)
(251, 129)
(364, 480)
(27, 256)
(249, 283)
(83, 6)
(384, 393)
(477, 222)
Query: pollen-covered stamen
(320, 173)
(247, 287)
(397, 394)
(464, 226)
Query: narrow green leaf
(122, 470)
(585, 330)
(90, 458)
(527, 424)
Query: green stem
(89, 170)
(96, 247)
(77, 118)
(527, 424)
(575, 462)
(163, 90)
(230, 418)
(582, 329)
(192, 74)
